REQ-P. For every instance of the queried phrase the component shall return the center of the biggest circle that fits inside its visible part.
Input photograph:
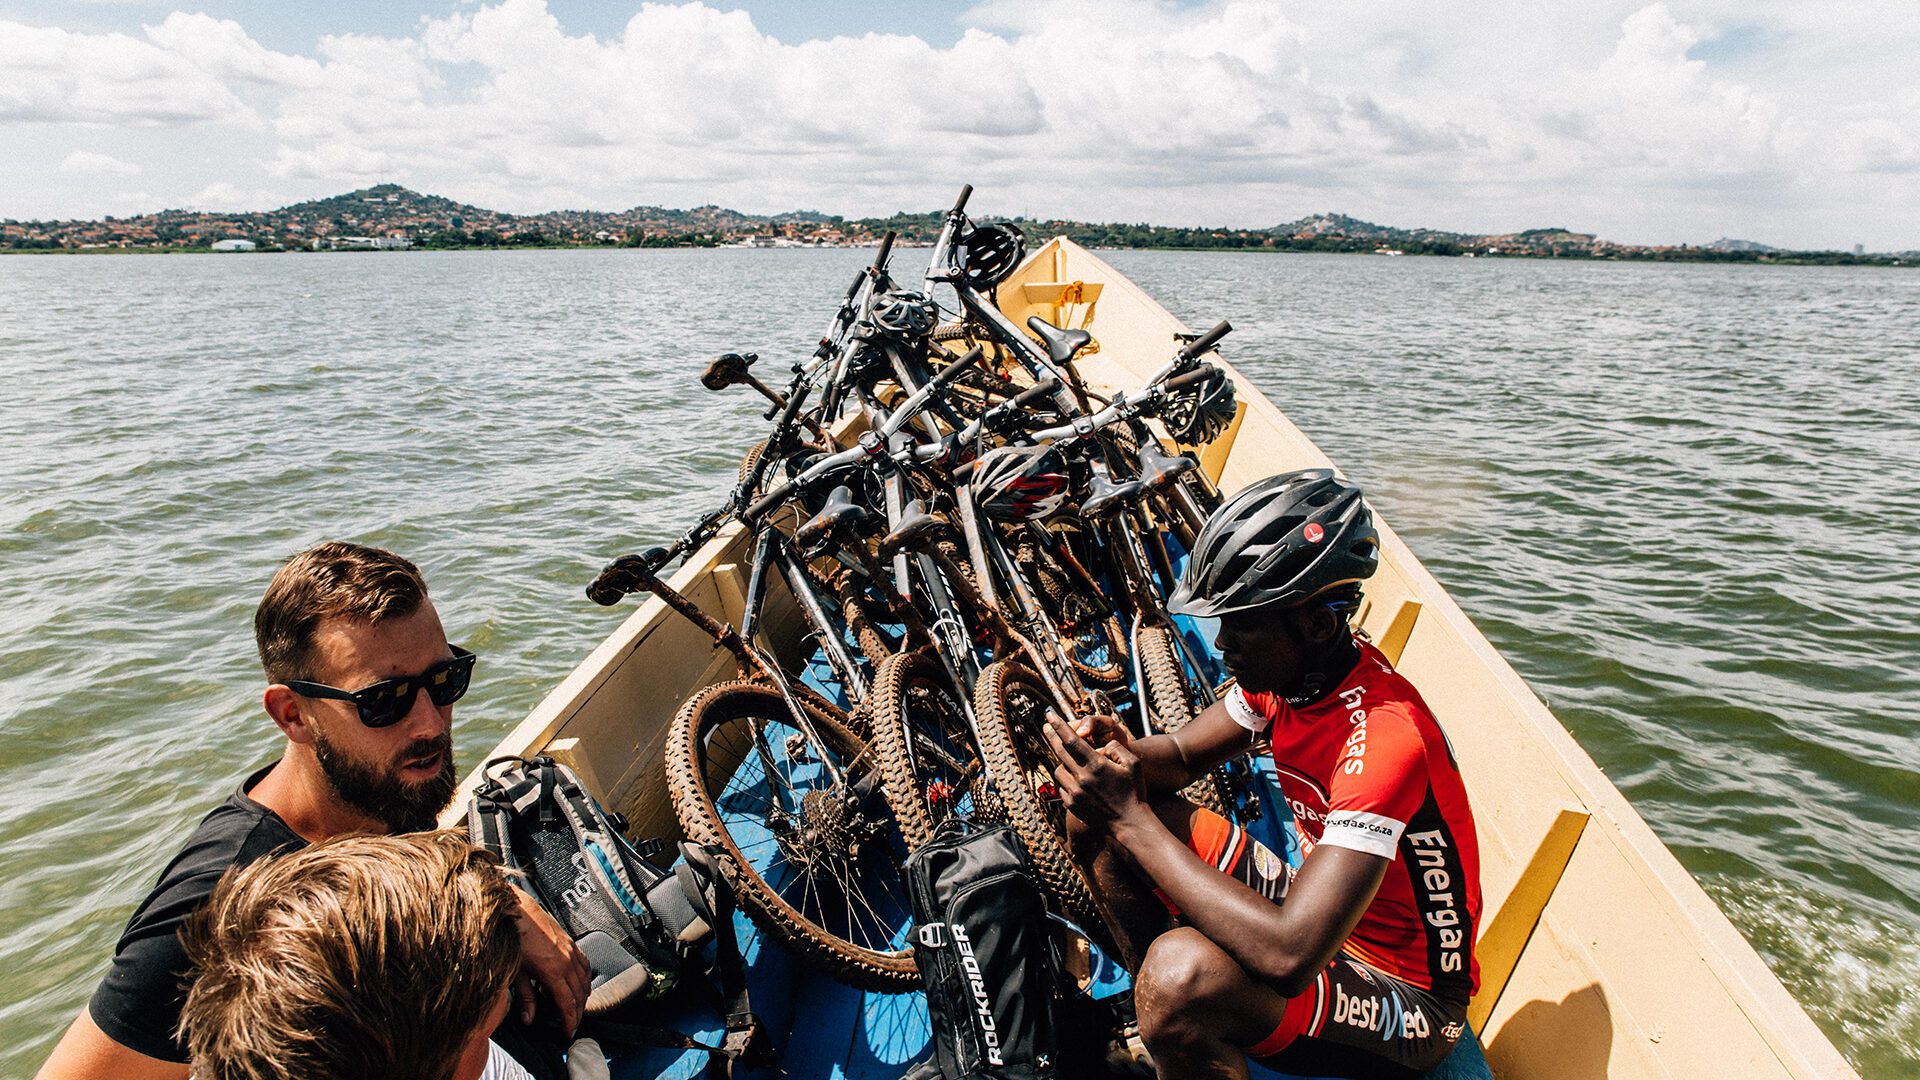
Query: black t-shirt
(138, 1003)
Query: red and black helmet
(1021, 483)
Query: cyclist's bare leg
(1135, 916)
(1198, 1009)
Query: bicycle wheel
(1011, 704)
(930, 767)
(1174, 705)
(819, 864)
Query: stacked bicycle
(972, 537)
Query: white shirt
(500, 1066)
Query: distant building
(363, 243)
(233, 245)
(1859, 249)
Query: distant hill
(392, 216)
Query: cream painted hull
(1620, 965)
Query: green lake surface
(1682, 500)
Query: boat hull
(1601, 955)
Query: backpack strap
(487, 818)
(702, 874)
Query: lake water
(1680, 499)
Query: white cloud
(88, 163)
(49, 75)
(1235, 111)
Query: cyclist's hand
(1100, 729)
(1098, 786)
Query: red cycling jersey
(1367, 767)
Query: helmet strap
(1327, 662)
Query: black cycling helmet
(1020, 483)
(988, 253)
(1199, 414)
(903, 312)
(1279, 542)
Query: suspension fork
(1041, 639)
(1186, 513)
(1147, 604)
(802, 588)
(1062, 551)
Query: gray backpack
(643, 927)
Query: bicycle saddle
(1158, 470)
(1061, 344)
(1105, 496)
(916, 524)
(840, 513)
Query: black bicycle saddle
(1105, 496)
(1158, 470)
(1061, 344)
(915, 525)
(840, 513)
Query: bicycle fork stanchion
(817, 613)
(1140, 695)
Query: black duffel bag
(985, 949)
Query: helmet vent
(1276, 531)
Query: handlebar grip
(1039, 391)
(952, 371)
(1188, 378)
(960, 204)
(886, 249)
(1201, 345)
(768, 502)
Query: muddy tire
(1174, 706)
(733, 748)
(1011, 704)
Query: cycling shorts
(1355, 1020)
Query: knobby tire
(711, 713)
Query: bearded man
(362, 682)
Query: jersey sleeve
(1255, 712)
(1379, 781)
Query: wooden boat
(1600, 954)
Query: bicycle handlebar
(987, 421)
(960, 204)
(872, 444)
(1201, 345)
(918, 399)
(1126, 406)
(1186, 379)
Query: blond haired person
(363, 956)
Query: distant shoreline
(388, 216)
(1689, 256)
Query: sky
(1789, 123)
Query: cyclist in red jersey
(1360, 963)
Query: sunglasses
(385, 702)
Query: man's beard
(401, 806)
